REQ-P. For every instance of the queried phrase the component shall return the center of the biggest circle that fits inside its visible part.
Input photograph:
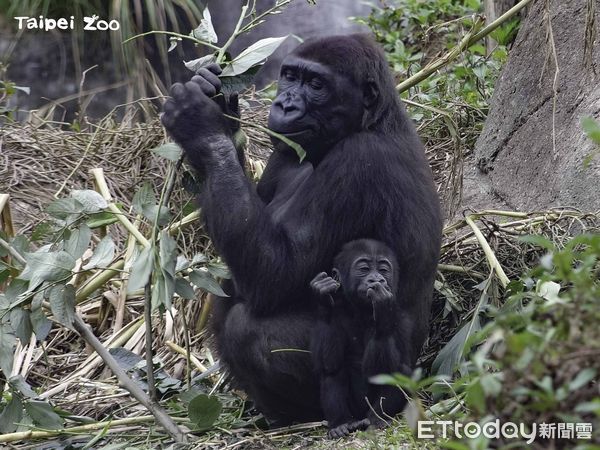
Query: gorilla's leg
(269, 357)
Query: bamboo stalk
(102, 187)
(489, 253)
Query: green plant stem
(102, 188)
(99, 280)
(82, 429)
(476, 33)
(500, 21)
(157, 411)
(149, 339)
(254, 22)
(234, 35)
(436, 65)
(5, 245)
(170, 33)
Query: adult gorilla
(365, 176)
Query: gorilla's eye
(384, 269)
(363, 269)
(288, 75)
(316, 84)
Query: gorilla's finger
(220, 100)
(169, 106)
(211, 78)
(320, 276)
(206, 87)
(167, 120)
(177, 91)
(214, 68)
(194, 90)
(234, 104)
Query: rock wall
(522, 161)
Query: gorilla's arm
(383, 355)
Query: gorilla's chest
(288, 201)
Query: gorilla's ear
(335, 274)
(370, 93)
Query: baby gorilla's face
(371, 277)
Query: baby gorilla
(357, 337)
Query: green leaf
(184, 289)
(253, 55)
(102, 219)
(204, 410)
(476, 396)
(540, 241)
(78, 241)
(143, 197)
(582, 378)
(11, 415)
(591, 128)
(145, 203)
(19, 383)
(141, 270)
(16, 288)
(205, 31)
(196, 64)
(126, 359)
(51, 266)
(451, 354)
(103, 254)
(205, 281)
(62, 304)
(238, 83)
(64, 207)
(40, 323)
(170, 151)
(21, 324)
(43, 415)
(219, 270)
(92, 201)
(7, 345)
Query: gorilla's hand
(324, 286)
(191, 117)
(379, 292)
(207, 78)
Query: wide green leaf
(47, 266)
(64, 207)
(204, 410)
(141, 270)
(184, 289)
(92, 201)
(205, 31)
(78, 241)
(170, 151)
(20, 322)
(103, 254)
(196, 64)
(43, 415)
(62, 304)
(11, 415)
(7, 345)
(253, 55)
(206, 281)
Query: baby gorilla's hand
(379, 292)
(323, 286)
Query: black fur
(356, 337)
(365, 176)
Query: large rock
(518, 165)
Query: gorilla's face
(315, 106)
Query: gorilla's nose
(375, 278)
